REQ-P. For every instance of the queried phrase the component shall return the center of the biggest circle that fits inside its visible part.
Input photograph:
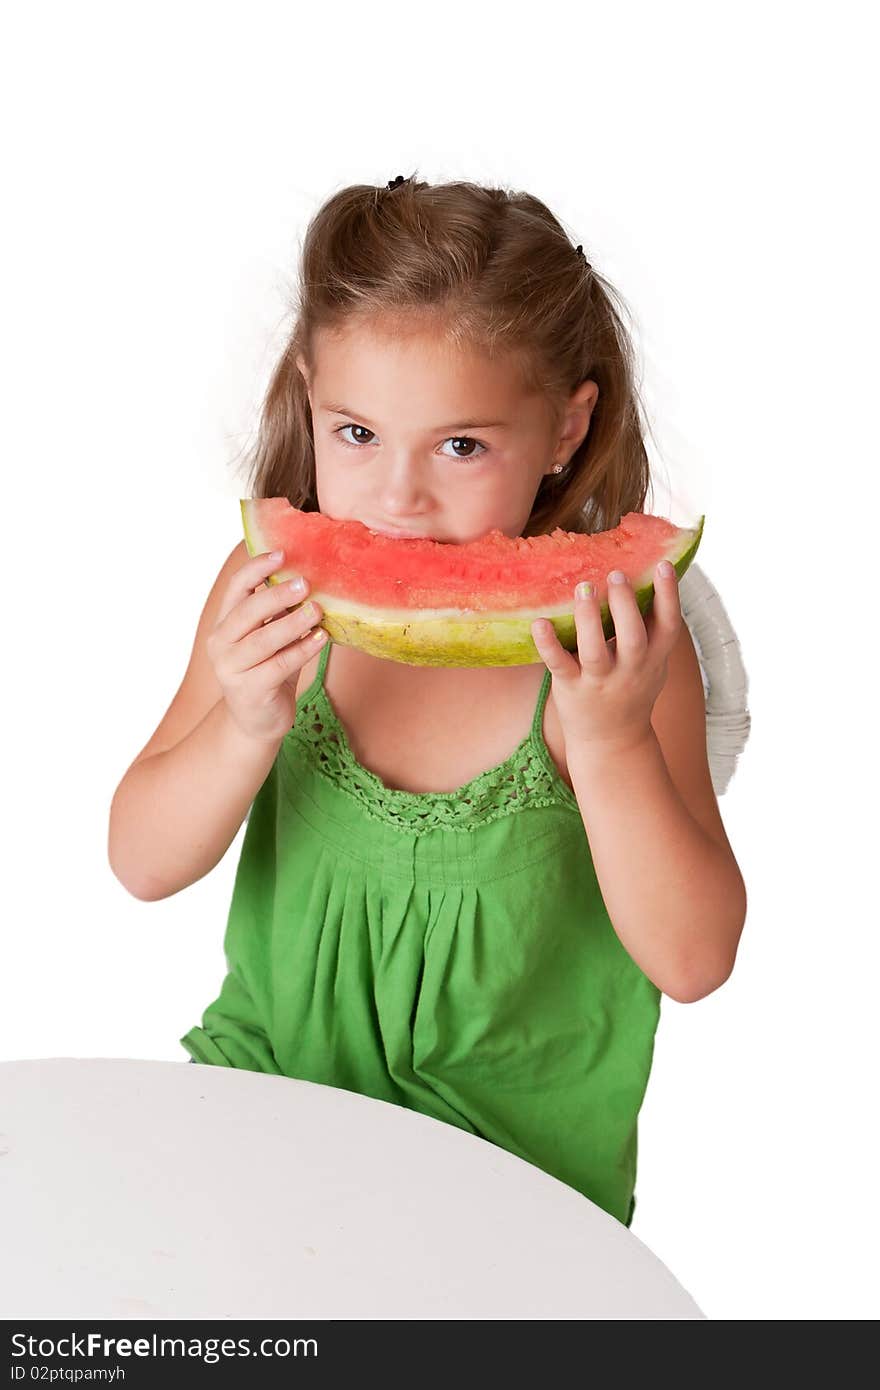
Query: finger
(267, 605)
(271, 605)
(666, 616)
(264, 606)
(291, 658)
(253, 572)
(629, 626)
(257, 647)
(558, 661)
(593, 651)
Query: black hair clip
(395, 183)
(580, 252)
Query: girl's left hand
(605, 698)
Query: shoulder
(238, 556)
(199, 690)
(679, 723)
(684, 682)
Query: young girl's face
(415, 437)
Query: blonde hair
(494, 271)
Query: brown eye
(455, 439)
(349, 442)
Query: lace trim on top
(523, 779)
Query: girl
(421, 914)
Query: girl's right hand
(257, 648)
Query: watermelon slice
(430, 603)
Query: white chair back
(724, 677)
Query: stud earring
(558, 467)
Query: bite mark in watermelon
(429, 603)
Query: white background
(161, 165)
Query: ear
(576, 420)
(587, 395)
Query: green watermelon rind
(452, 640)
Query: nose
(404, 488)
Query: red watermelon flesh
(432, 603)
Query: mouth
(400, 535)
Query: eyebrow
(457, 425)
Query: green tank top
(449, 952)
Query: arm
(666, 871)
(175, 813)
(181, 802)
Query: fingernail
(276, 556)
(617, 577)
(665, 569)
(583, 590)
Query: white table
(138, 1189)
